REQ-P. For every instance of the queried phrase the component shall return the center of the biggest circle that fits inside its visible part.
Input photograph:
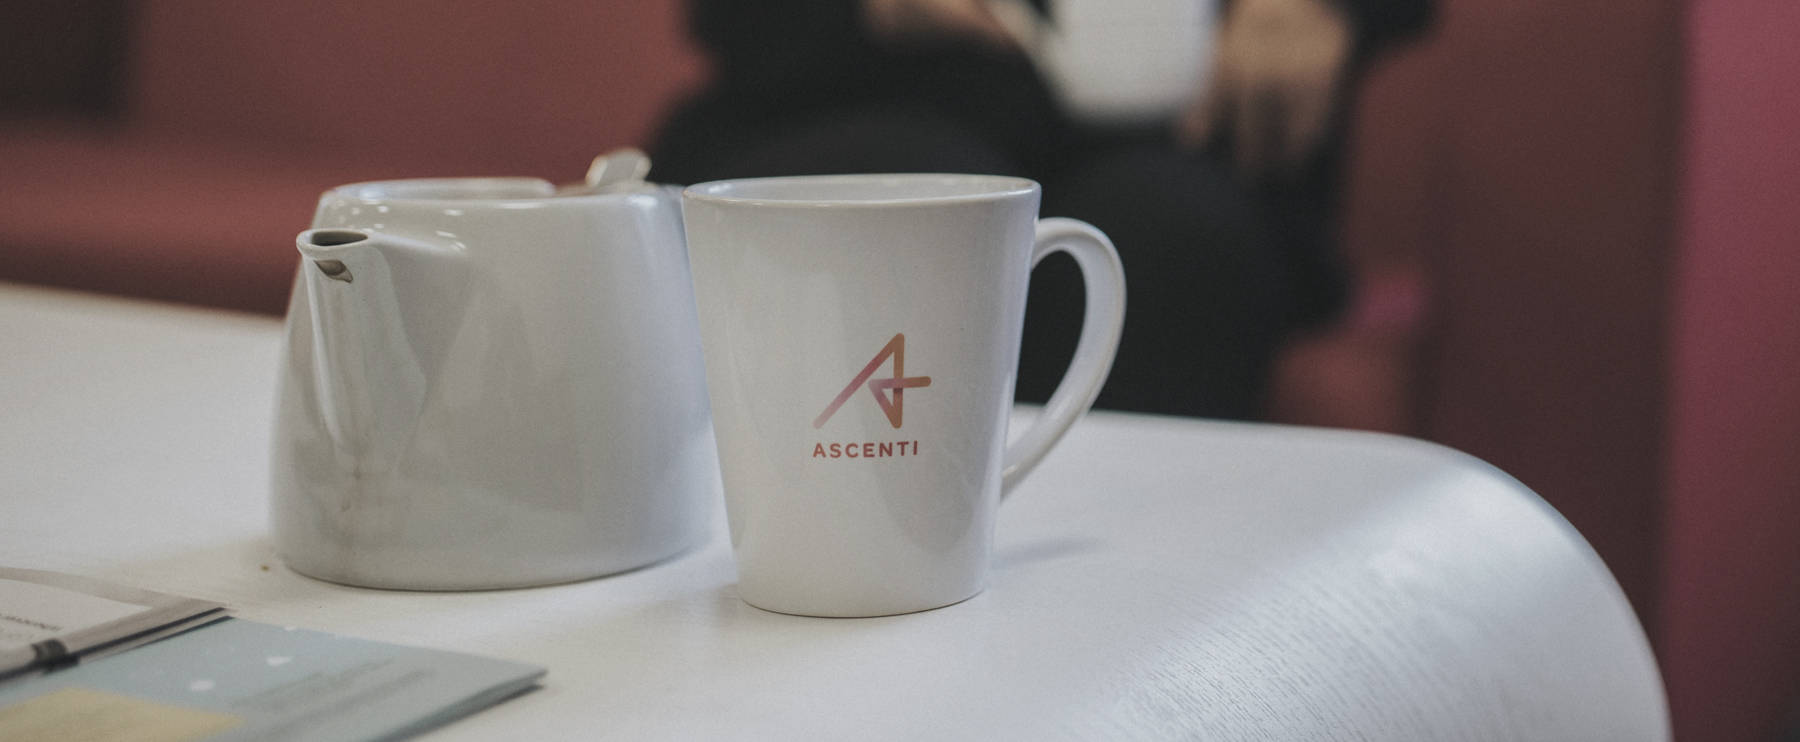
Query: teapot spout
(320, 247)
(384, 309)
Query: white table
(1157, 578)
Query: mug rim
(767, 192)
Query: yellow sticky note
(80, 713)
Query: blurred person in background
(1221, 210)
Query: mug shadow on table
(1022, 556)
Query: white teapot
(491, 384)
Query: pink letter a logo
(898, 384)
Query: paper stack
(50, 620)
(229, 680)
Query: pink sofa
(238, 115)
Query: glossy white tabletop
(1156, 578)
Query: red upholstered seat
(239, 115)
(160, 217)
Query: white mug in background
(861, 338)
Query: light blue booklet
(242, 680)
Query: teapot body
(486, 385)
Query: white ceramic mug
(861, 336)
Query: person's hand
(1275, 81)
(905, 20)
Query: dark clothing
(1217, 271)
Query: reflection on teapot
(490, 384)
(376, 346)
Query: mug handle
(1101, 324)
